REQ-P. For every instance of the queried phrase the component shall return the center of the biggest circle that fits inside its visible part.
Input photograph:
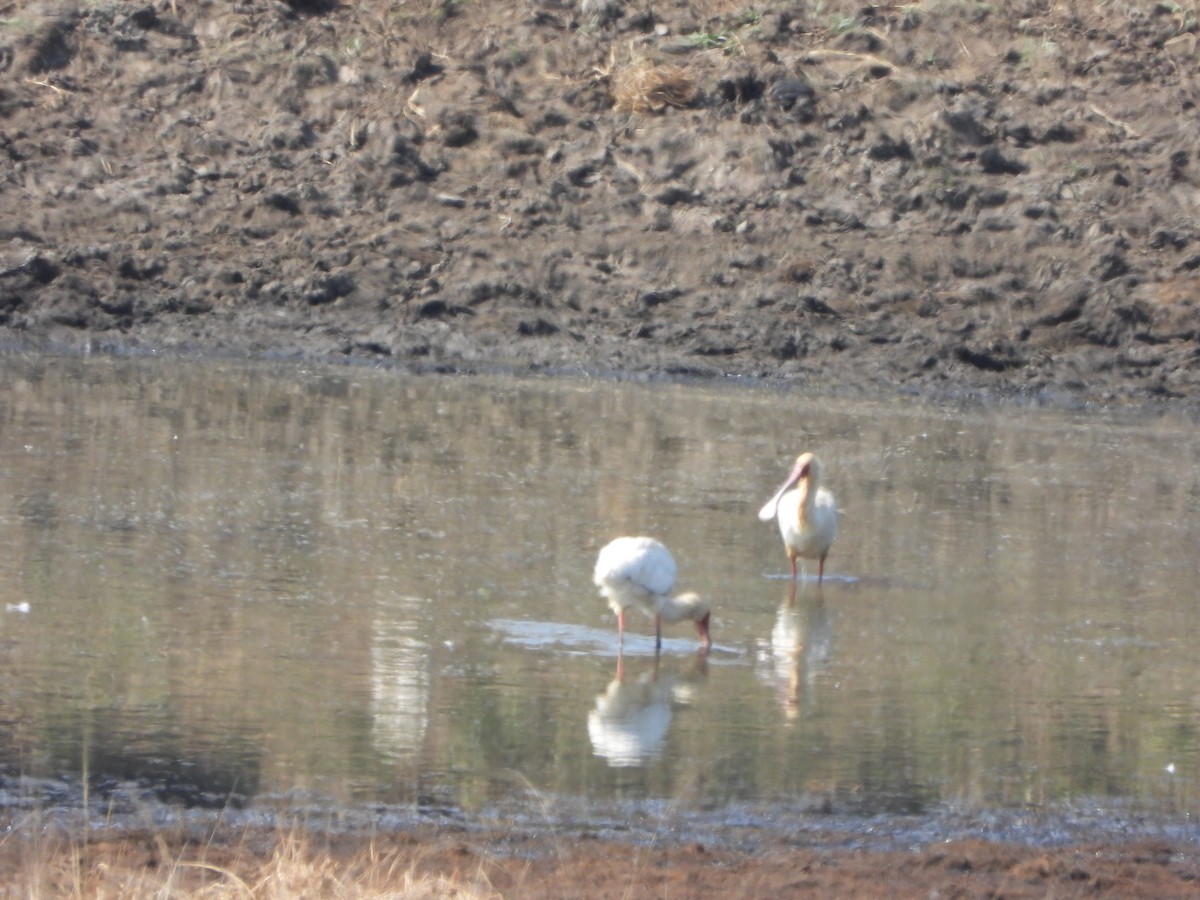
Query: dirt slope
(936, 196)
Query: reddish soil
(955, 870)
(574, 866)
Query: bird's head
(694, 607)
(807, 466)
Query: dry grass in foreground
(286, 864)
(456, 863)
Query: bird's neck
(807, 492)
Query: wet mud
(940, 198)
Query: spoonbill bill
(806, 512)
(640, 571)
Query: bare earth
(937, 197)
(569, 866)
(940, 198)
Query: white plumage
(640, 571)
(635, 571)
(806, 512)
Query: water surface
(277, 586)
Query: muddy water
(274, 586)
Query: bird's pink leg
(620, 627)
(792, 560)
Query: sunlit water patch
(281, 587)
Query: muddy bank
(424, 863)
(928, 197)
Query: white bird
(806, 512)
(640, 571)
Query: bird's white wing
(638, 560)
(825, 514)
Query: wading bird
(639, 571)
(806, 512)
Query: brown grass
(645, 86)
(37, 863)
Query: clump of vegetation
(709, 40)
(284, 864)
(646, 86)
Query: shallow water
(276, 586)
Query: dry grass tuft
(645, 86)
(261, 866)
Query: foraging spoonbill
(806, 512)
(640, 571)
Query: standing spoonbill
(806, 512)
(640, 571)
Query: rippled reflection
(228, 584)
(399, 679)
(629, 722)
(799, 650)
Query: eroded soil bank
(942, 196)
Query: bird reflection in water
(799, 651)
(629, 723)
